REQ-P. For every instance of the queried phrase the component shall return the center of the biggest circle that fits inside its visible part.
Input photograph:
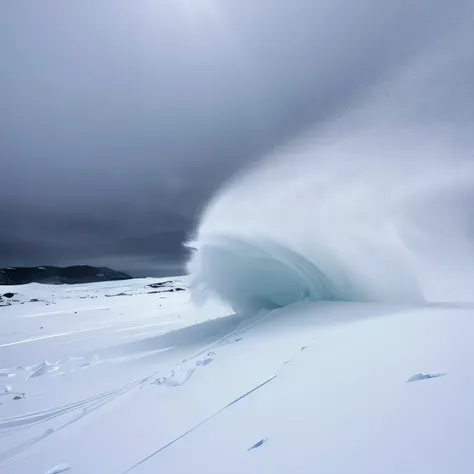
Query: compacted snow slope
(124, 377)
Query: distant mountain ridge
(59, 275)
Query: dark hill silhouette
(59, 275)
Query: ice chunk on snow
(42, 368)
(58, 469)
(4, 389)
(420, 376)
(179, 378)
(257, 445)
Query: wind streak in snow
(246, 394)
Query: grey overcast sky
(118, 119)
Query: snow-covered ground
(123, 377)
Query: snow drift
(373, 204)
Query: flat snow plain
(119, 377)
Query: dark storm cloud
(118, 119)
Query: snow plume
(374, 204)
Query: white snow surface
(146, 382)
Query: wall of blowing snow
(372, 205)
